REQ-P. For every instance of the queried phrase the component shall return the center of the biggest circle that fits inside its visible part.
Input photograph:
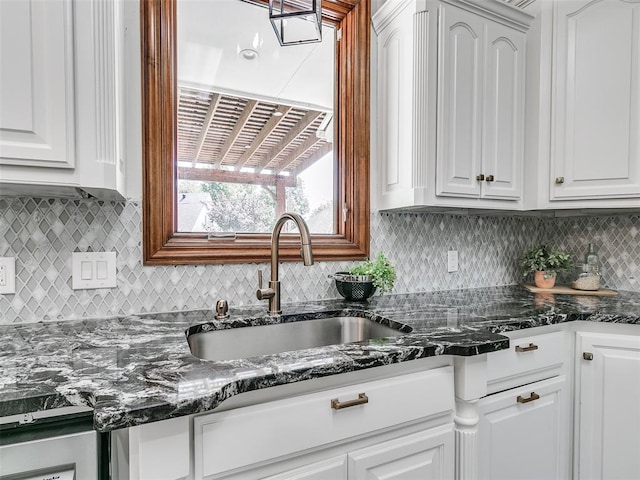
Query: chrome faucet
(273, 292)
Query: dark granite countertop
(138, 369)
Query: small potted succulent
(545, 262)
(362, 280)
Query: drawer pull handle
(533, 396)
(336, 404)
(531, 347)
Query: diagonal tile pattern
(42, 234)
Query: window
(163, 242)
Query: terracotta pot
(542, 282)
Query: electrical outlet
(7, 275)
(452, 261)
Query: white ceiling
(211, 33)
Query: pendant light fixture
(296, 22)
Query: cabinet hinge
(338, 35)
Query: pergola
(225, 138)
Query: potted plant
(545, 262)
(383, 275)
(361, 281)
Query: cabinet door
(395, 100)
(332, 469)
(608, 441)
(520, 438)
(503, 112)
(36, 83)
(459, 103)
(596, 104)
(426, 455)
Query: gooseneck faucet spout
(273, 292)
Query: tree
(246, 208)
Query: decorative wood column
(466, 420)
(470, 377)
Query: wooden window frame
(162, 244)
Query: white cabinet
(525, 422)
(583, 105)
(60, 98)
(524, 432)
(330, 469)
(425, 455)
(37, 118)
(480, 108)
(234, 443)
(73, 455)
(596, 100)
(450, 104)
(394, 425)
(608, 411)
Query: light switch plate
(452, 261)
(7, 275)
(93, 270)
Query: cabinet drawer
(528, 359)
(237, 438)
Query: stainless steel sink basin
(244, 342)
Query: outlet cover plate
(93, 270)
(7, 275)
(452, 261)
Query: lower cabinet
(524, 432)
(395, 428)
(608, 406)
(398, 425)
(426, 455)
(558, 404)
(332, 468)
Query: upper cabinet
(450, 104)
(37, 118)
(596, 100)
(584, 120)
(60, 98)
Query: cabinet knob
(559, 180)
(480, 177)
(587, 355)
(490, 178)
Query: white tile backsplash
(42, 234)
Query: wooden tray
(567, 290)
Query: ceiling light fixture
(296, 25)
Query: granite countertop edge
(134, 370)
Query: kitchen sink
(251, 341)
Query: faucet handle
(263, 293)
(222, 307)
